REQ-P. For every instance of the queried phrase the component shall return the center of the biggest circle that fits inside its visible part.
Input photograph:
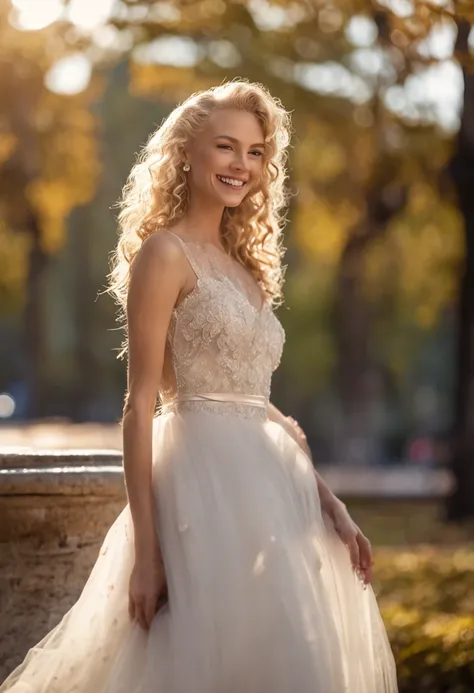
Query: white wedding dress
(262, 595)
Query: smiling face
(226, 158)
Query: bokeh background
(378, 366)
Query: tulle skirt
(261, 592)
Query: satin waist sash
(238, 397)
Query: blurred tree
(363, 160)
(374, 248)
(461, 502)
(92, 233)
(48, 165)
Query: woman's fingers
(366, 561)
(359, 546)
(150, 611)
(141, 615)
(136, 611)
(143, 611)
(296, 426)
(353, 547)
(365, 551)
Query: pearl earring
(186, 167)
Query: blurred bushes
(427, 600)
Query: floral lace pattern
(221, 339)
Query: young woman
(233, 568)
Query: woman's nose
(240, 163)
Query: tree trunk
(460, 504)
(33, 326)
(353, 327)
(88, 375)
(354, 313)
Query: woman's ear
(183, 156)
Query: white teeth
(232, 181)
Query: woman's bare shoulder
(158, 266)
(160, 246)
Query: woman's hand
(359, 546)
(147, 586)
(297, 428)
(297, 433)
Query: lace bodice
(223, 336)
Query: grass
(408, 523)
(424, 581)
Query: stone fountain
(55, 509)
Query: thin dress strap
(207, 260)
(189, 254)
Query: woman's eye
(227, 146)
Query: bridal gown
(261, 592)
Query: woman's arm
(154, 286)
(329, 501)
(157, 276)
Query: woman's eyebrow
(234, 139)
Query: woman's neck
(202, 225)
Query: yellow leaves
(465, 9)
(417, 260)
(52, 203)
(8, 143)
(400, 617)
(426, 315)
(422, 198)
(427, 609)
(13, 259)
(166, 81)
(448, 627)
(429, 243)
(69, 174)
(321, 229)
(319, 157)
(53, 139)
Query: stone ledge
(79, 481)
(14, 457)
(26, 472)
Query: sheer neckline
(200, 241)
(258, 310)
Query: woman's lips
(230, 186)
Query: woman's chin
(229, 200)
(232, 203)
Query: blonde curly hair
(156, 193)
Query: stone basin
(55, 509)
